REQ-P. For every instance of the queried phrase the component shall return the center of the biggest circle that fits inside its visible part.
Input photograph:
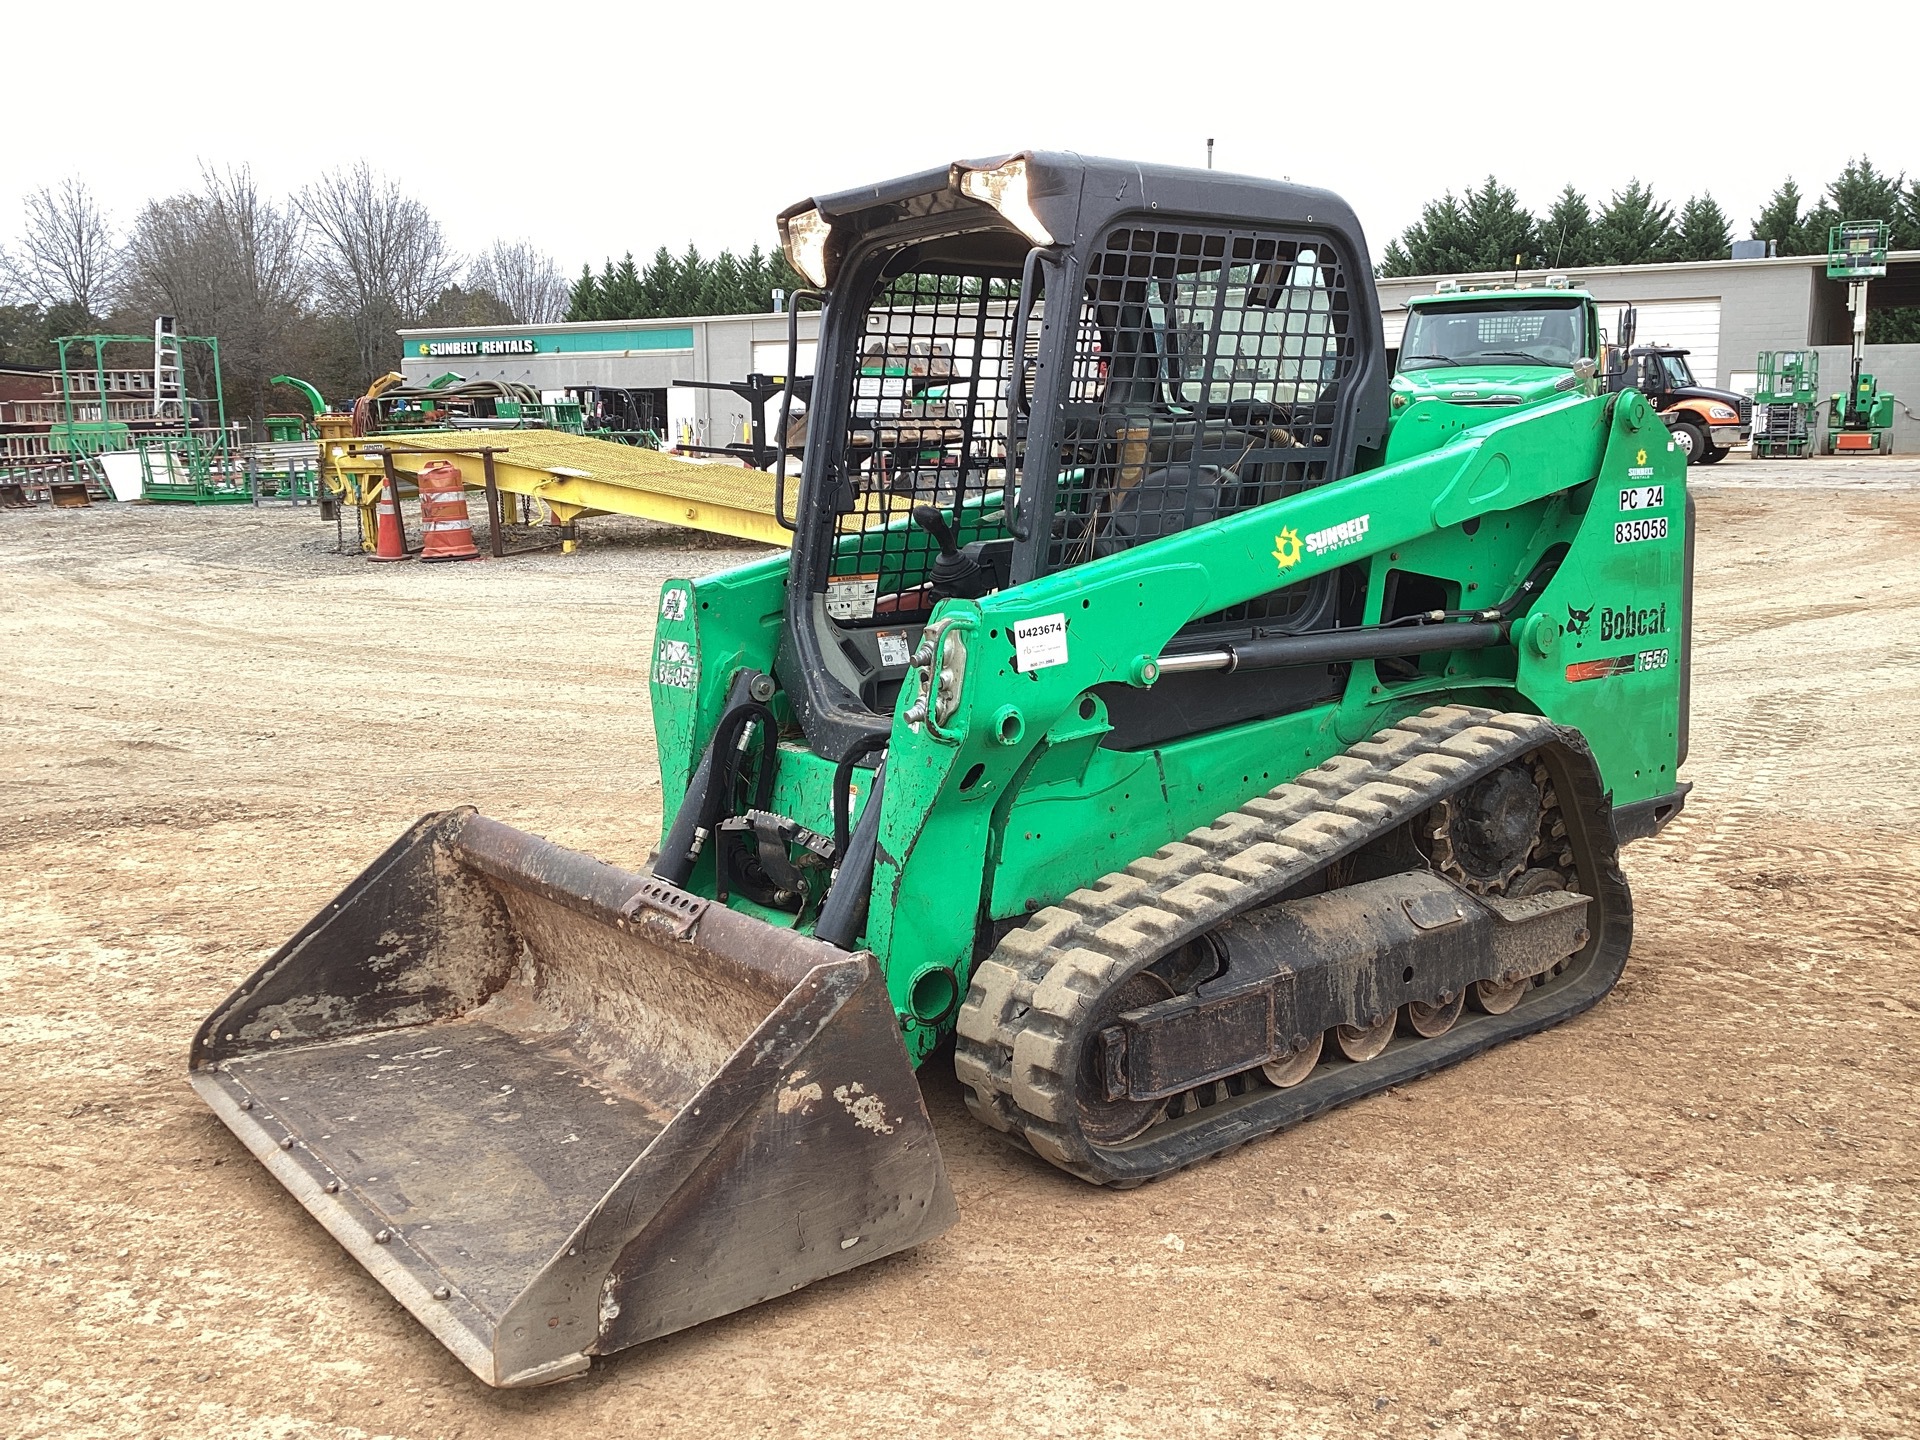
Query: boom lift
(1196, 742)
(1861, 419)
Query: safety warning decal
(894, 649)
(852, 597)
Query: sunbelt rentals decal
(1289, 545)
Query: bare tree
(379, 258)
(228, 262)
(526, 279)
(67, 254)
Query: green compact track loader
(1147, 721)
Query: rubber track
(1019, 1029)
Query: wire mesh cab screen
(926, 426)
(1218, 355)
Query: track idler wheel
(1430, 1021)
(1285, 1074)
(1113, 1122)
(1364, 1042)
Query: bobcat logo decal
(1577, 620)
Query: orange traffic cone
(389, 540)
(446, 530)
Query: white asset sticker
(673, 605)
(894, 649)
(1039, 642)
(1643, 497)
(673, 665)
(1629, 532)
(851, 597)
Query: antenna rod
(1209, 152)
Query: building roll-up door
(1691, 325)
(770, 357)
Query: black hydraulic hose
(730, 747)
(1535, 582)
(1333, 646)
(842, 779)
(681, 848)
(1424, 634)
(844, 914)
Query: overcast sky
(595, 129)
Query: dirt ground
(1693, 1211)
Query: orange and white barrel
(446, 529)
(389, 540)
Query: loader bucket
(558, 1108)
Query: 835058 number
(1628, 531)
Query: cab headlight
(1005, 188)
(804, 237)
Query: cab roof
(1536, 292)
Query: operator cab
(1030, 364)
(1656, 371)
(1496, 330)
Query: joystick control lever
(955, 572)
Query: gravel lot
(1693, 1211)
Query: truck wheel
(1692, 441)
(1715, 455)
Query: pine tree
(1779, 222)
(1566, 231)
(1503, 232)
(1632, 227)
(1395, 261)
(1438, 243)
(583, 297)
(603, 297)
(687, 284)
(690, 273)
(624, 295)
(721, 290)
(658, 284)
(1703, 231)
(1859, 193)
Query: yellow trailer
(572, 475)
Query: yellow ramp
(577, 475)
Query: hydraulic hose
(686, 838)
(844, 914)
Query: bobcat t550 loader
(1143, 705)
